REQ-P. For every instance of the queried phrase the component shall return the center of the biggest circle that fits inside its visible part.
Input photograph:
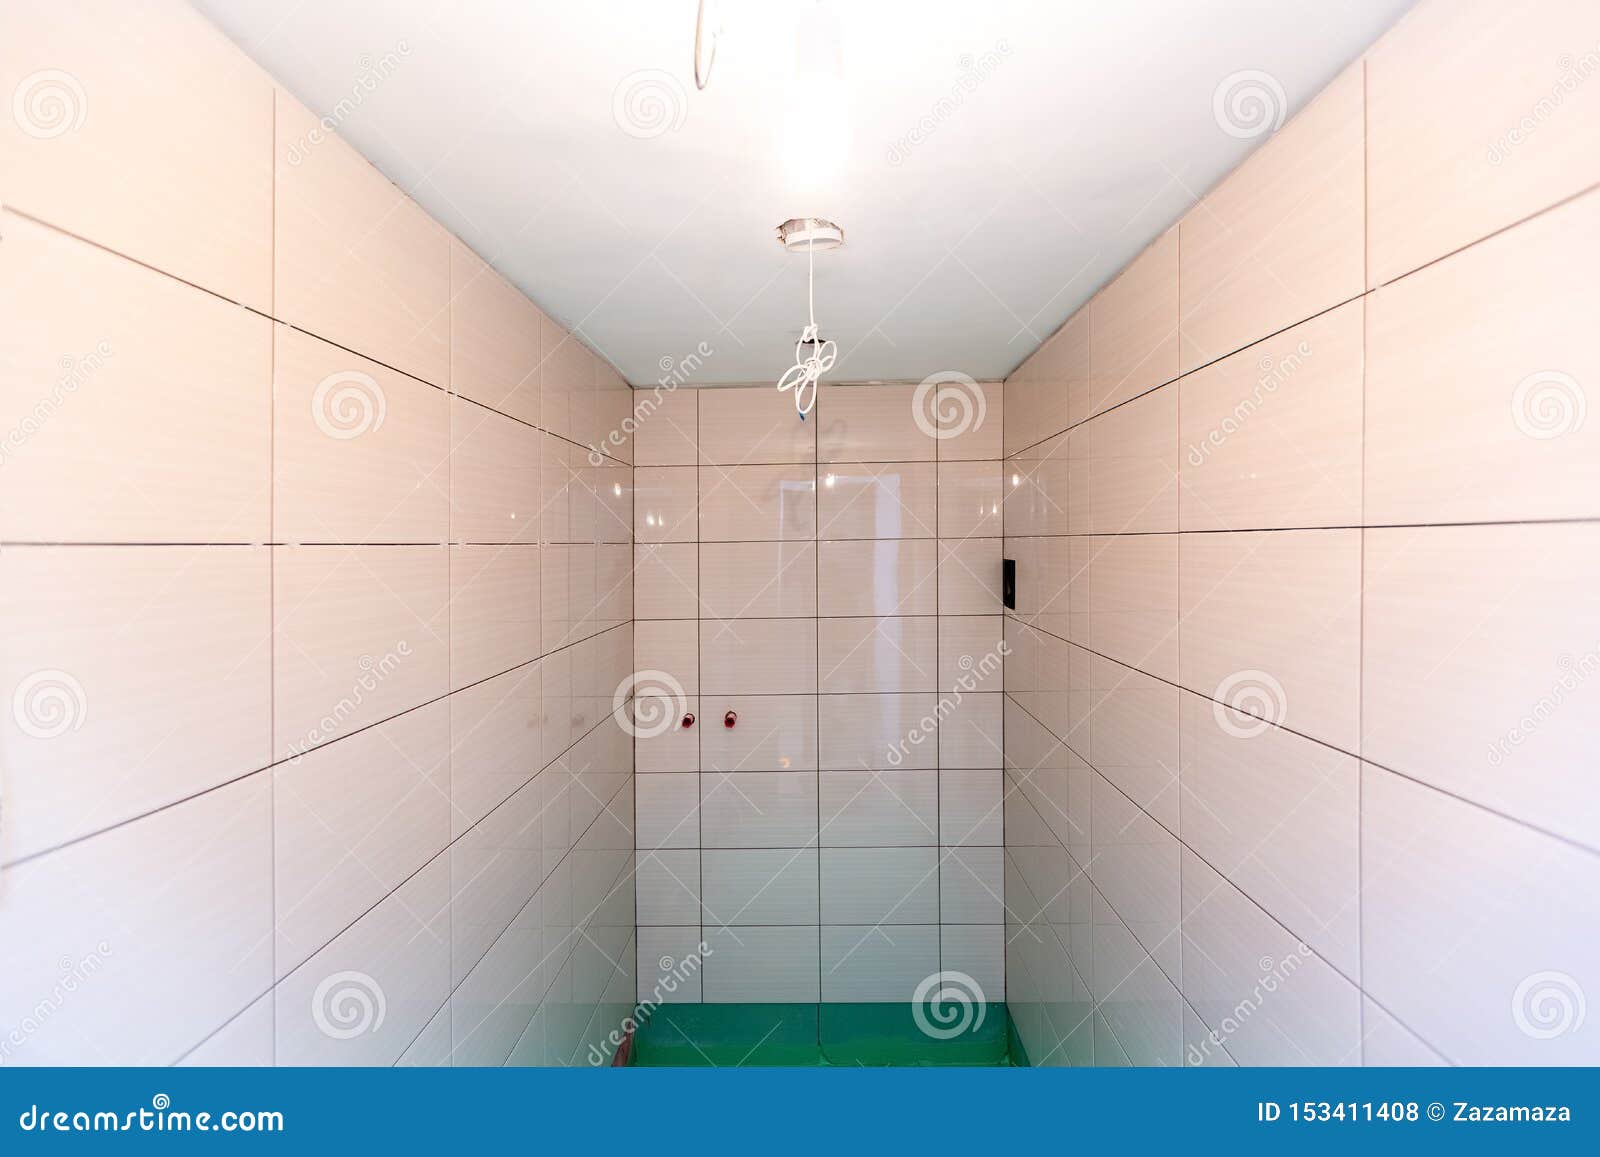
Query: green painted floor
(733, 1035)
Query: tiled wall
(313, 599)
(832, 582)
(1301, 721)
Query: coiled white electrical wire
(804, 375)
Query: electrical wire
(804, 376)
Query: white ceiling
(1092, 131)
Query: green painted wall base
(734, 1035)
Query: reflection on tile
(877, 500)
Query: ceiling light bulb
(816, 134)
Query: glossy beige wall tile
(1478, 117)
(170, 917)
(137, 677)
(1384, 494)
(359, 634)
(878, 654)
(1129, 457)
(1437, 874)
(1278, 815)
(1280, 239)
(969, 417)
(757, 503)
(140, 407)
(162, 99)
(351, 822)
(494, 339)
(361, 452)
(1133, 328)
(374, 543)
(874, 424)
(742, 427)
(494, 610)
(903, 578)
(1133, 600)
(758, 656)
(1314, 1017)
(1270, 623)
(1480, 647)
(839, 739)
(878, 500)
(1272, 436)
(495, 478)
(667, 433)
(969, 499)
(1050, 390)
(355, 260)
(1480, 375)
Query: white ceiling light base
(813, 356)
(803, 234)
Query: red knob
(688, 719)
(730, 719)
